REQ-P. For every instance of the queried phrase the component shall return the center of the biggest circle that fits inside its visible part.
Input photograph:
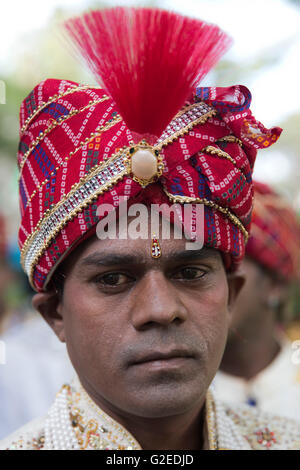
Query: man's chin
(167, 399)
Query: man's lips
(163, 356)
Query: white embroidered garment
(275, 390)
(75, 422)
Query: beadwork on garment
(75, 422)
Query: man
(145, 320)
(258, 366)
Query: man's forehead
(127, 252)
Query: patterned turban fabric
(275, 234)
(72, 158)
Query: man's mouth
(163, 359)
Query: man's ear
(235, 285)
(48, 304)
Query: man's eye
(113, 279)
(190, 274)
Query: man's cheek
(80, 333)
(215, 315)
(216, 328)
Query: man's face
(146, 336)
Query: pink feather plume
(149, 60)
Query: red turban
(73, 150)
(275, 233)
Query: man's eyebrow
(97, 259)
(194, 255)
(113, 259)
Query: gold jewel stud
(145, 163)
(155, 248)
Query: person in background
(293, 327)
(8, 278)
(35, 362)
(36, 366)
(258, 366)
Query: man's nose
(157, 300)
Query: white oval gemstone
(143, 164)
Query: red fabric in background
(275, 233)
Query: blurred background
(264, 57)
